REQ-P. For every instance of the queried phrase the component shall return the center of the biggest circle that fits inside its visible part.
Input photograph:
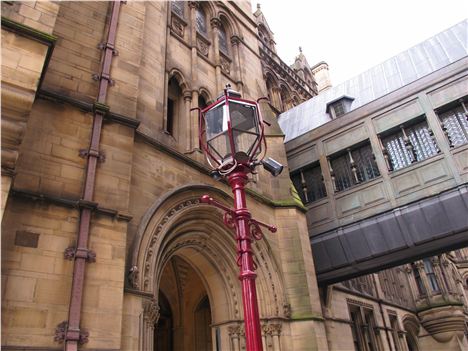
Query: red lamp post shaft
(247, 275)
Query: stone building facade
(361, 154)
(105, 245)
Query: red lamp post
(232, 138)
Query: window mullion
(409, 145)
(304, 186)
(353, 166)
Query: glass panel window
(223, 45)
(357, 165)
(309, 183)
(394, 326)
(409, 145)
(363, 328)
(419, 282)
(178, 8)
(431, 275)
(201, 21)
(455, 125)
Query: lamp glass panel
(245, 126)
(217, 136)
(216, 121)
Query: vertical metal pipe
(247, 275)
(72, 335)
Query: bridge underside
(424, 228)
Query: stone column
(234, 334)
(193, 5)
(276, 332)
(150, 318)
(235, 41)
(265, 333)
(215, 23)
(412, 282)
(187, 135)
(194, 122)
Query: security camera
(215, 175)
(272, 166)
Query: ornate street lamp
(232, 138)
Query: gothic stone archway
(179, 234)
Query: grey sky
(352, 36)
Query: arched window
(174, 101)
(222, 38)
(202, 102)
(285, 98)
(201, 21)
(177, 7)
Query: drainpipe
(72, 334)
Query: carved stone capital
(234, 331)
(151, 311)
(215, 22)
(235, 40)
(194, 4)
(275, 328)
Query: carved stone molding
(275, 329)
(203, 45)
(133, 275)
(287, 310)
(178, 25)
(215, 22)
(159, 228)
(234, 331)
(151, 311)
(225, 64)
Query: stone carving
(287, 310)
(133, 277)
(234, 331)
(151, 311)
(202, 46)
(225, 64)
(177, 26)
(275, 329)
(159, 228)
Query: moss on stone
(28, 31)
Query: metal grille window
(409, 145)
(357, 165)
(455, 125)
(201, 21)
(309, 183)
(222, 38)
(339, 108)
(178, 8)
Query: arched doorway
(185, 312)
(163, 339)
(184, 252)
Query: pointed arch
(226, 17)
(179, 76)
(177, 224)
